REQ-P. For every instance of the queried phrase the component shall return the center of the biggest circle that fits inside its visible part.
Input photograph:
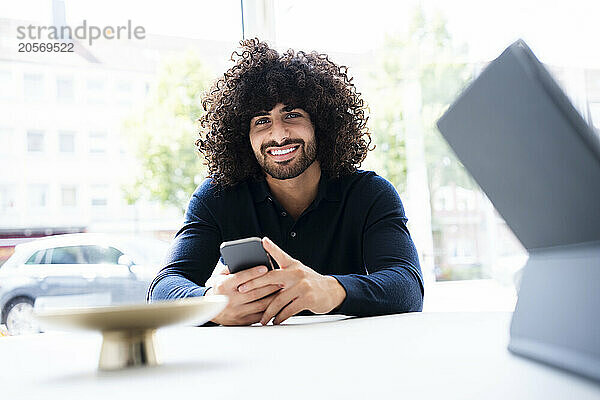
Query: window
(101, 255)
(33, 86)
(99, 195)
(66, 142)
(69, 196)
(65, 90)
(38, 195)
(67, 255)
(7, 85)
(444, 199)
(35, 141)
(7, 198)
(465, 199)
(98, 142)
(86, 254)
(6, 140)
(95, 91)
(124, 90)
(39, 257)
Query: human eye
(261, 121)
(293, 115)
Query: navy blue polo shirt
(354, 230)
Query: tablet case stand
(539, 163)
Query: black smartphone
(245, 253)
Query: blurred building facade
(471, 240)
(64, 158)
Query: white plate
(194, 310)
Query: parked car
(81, 269)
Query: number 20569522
(46, 47)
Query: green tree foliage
(425, 52)
(163, 133)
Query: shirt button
(283, 214)
(293, 234)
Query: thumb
(221, 269)
(282, 258)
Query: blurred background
(101, 140)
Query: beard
(307, 154)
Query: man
(283, 136)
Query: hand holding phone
(246, 260)
(243, 254)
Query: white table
(421, 355)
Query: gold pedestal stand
(128, 348)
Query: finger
(259, 293)
(243, 276)
(281, 300)
(274, 277)
(288, 311)
(282, 258)
(256, 306)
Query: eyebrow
(284, 109)
(260, 114)
(288, 108)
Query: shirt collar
(329, 189)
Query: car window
(39, 257)
(101, 254)
(67, 255)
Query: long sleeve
(175, 286)
(192, 256)
(393, 283)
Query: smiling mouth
(276, 152)
(283, 154)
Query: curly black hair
(262, 78)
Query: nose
(279, 131)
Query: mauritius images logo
(89, 33)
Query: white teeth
(282, 152)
